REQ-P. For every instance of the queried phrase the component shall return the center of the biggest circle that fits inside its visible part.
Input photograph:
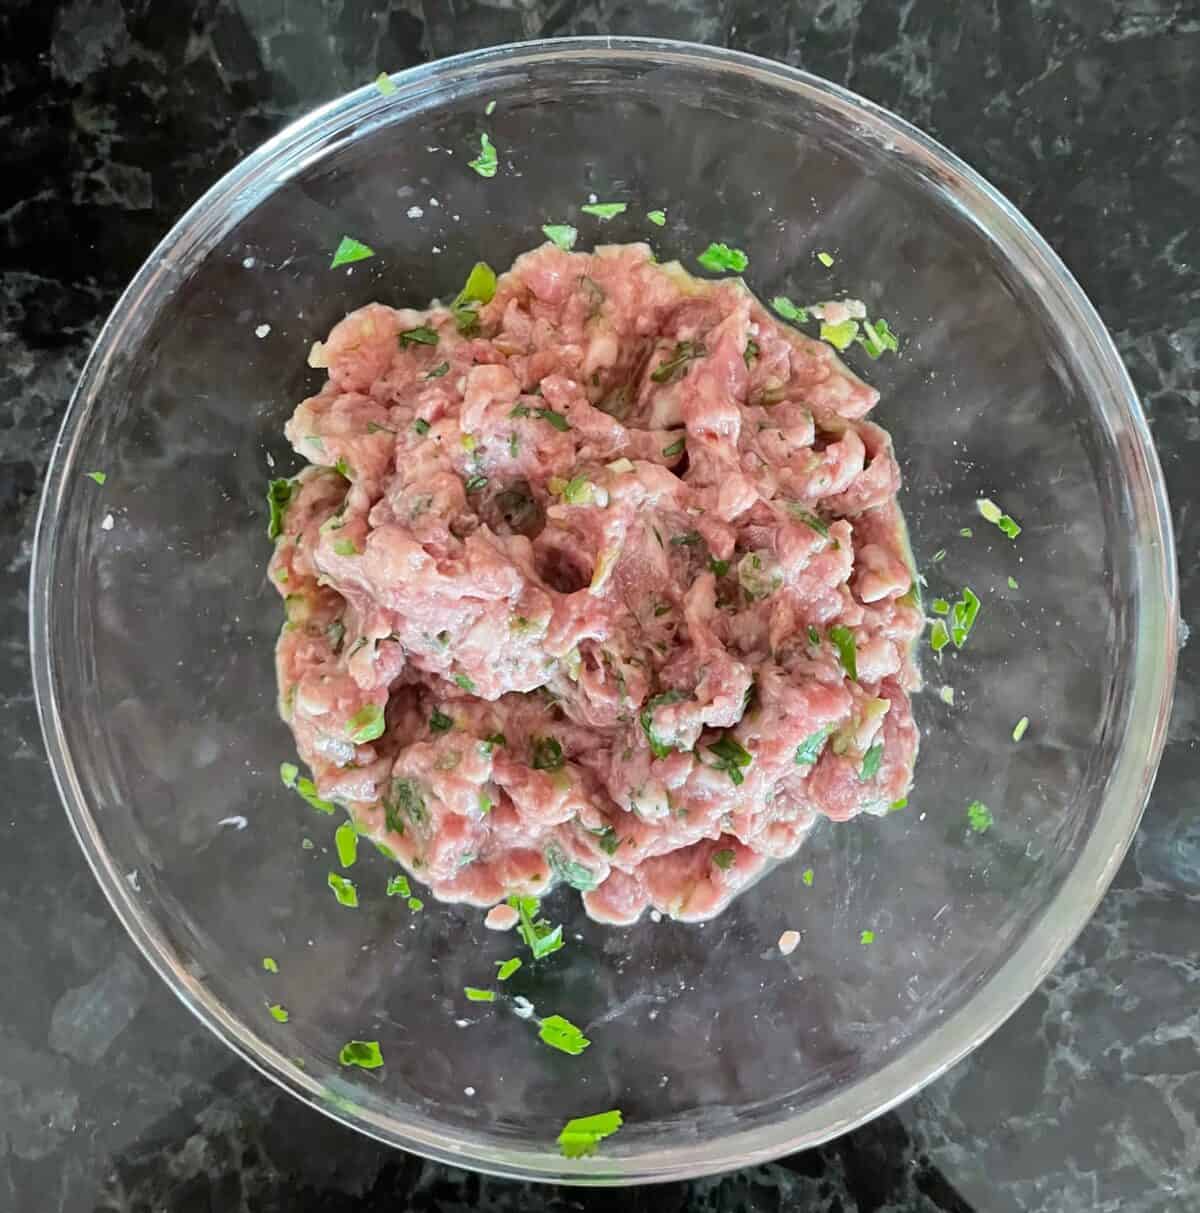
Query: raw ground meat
(572, 594)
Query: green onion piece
(418, 336)
(992, 512)
(719, 567)
(809, 519)
(750, 352)
(938, 556)
(439, 722)
(870, 763)
(867, 937)
(605, 210)
(658, 218)
(557, 420)
(438, 371)
(808, 877)
(279, 493)
(1019, 728)
(562, 1034)
(658, 747)
(877, 338)
(608, 839)
(939, 636)
(269, 964)
(809, 750)
(463, 681)
(1012, 584)
(788, 310)
(967, 533)
(343, 469)
(825, 259)
(979, 817)
(350, 250)
(345, 839)
(563, 234)
(278, 1013)
(485, 163)
(345, 547)
(897, 805)
(731, 757)
(847, 650)
(486, 804)
(724, 859)
(685, 352)
(494, 740)
(479, 289)
(474, 994)
(362, 1053)
(383, 82)
(421, 426)
(676, 448)
(506, 968)
(398, 886)
(344, 890)
(540, 938)
(840, 336)
(720, 257)
(305, 788)
(940, 606)
(547, 754)
(98, 477)
(814, 637)
(475, 484)
(366, 724)
(962, 617)
(581, 1136)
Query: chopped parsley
(463, 681)
(475, 484)
(423, 335)
(439, 722)
(494, 740)
(539, 936)
(939, 636)
(825, 259)
(366, 724)
(557, 420)
(398, 886)
(808, 877)
(938, 556)
(474, 994)
(581, 1136)
(562, 1034)
(343, 469)
(345, 547)
(421, 426)
(1012, 584)
(809, 519)
(304, 787)
(867, 937)
(847, 650)
(719, 567)
(940, 606)
(1019, 728)
(685, 352)
(870, 763)
(278, 1013)
(279, 494)
(269, 964)
(658, 747)
(479, 289)
(676, 448)
(658, 218)
(962, 617)
(992, 512)
(689, 539)
(362, 1053)
(841, 336)
(608, 840)
(605, 210)
(877, 338)
(814, 637)
(979, 817)
(724, 859)
(344, 890)
(485, 164)
(98, 477)
(345, 839)
(350, 250)
(575, 874)
(563, 234)
(897, 805)
(720, 257)
(506, 968)
(750, 352)
(809, 750)
(967, 533)
(547, 754)
(383, 82)
(438, 371)
(732, 758)
(416, 904)
(788, 310)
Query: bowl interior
(155, 631)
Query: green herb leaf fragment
(940, 606)
(398, 886)
(825, 259)
(581, 1136)
(993, 514)
(345, 839)
(101, 477)
(367, 724)
(486, 163)
(304, 787)
(1012, 584)
(809, 519)
(841, 336)
(676, 448)
(563, 1035)
(788, 310)
(547, 754)
(847, 650)
(538, 935)
(939, 636)
(1019, 728)
(279, 494)
(439, 722)
(658, 218)
(362, 1053)
(605, 210)
(418, 336)
(438, 371)
(269, 964)
(278, 1013)
(465, 683)
(474, 994)
(720, 258)
(685, 352)
(345, 547)
(724, 859)
(876, 338)
(479, 289)
(383, 82)
(350, 250)
(658, 747)
(979, 817)
(506, 968)
(563, 234)
(808, 877)
(962, 617)
(489, 109)
(809, 750)
(344, 890)
(870, 763)
(866, 938)
(732, 758)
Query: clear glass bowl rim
(1130, 781)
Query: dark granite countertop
(115, 115)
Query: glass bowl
(153, 623)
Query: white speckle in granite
(415, 212)
(107, 523)
(87, 1019)
(262, 331)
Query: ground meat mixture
(597, 576)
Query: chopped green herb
(870, 763)
(486, 804)
(685, 352)
(563, 234)
(724, 859)
(575, 874)
(847, 650)
(676, 448)
(345, 547)
(289, 773)
(1012, 584)
(689, 539)
(307, 843)
(539, 937)
(897, 805)
(992, 512)
(278, 1013)
(809, 750)
(557, 420)
(605, 210)
(750, 352)
(416, 904)
(1019, 728)
(474, 994)
(809, 519)
(463, 681)
(562, 1034)
(350, 250)
(373, 427)
(608, 840)
(658, 218)
(940, 606)
(877, 338)
(279, 493)
(731, 757)
(489, 109)
(362, 1053)
(344, 890)
(421, 426)
(342, 467)
(383, 82)
(720, 257)
(939, 636)
(547, 754)
(398, 886)
(825, 259)
(479, 289)
(438, 371)
(419, 336)
(788, 310)
(719, 567)
(439, 722)
(485, 163)
(269, 964)
(840, 336)
(938, 556)
(962, 617)
(494, 740)
(366, 724)
(867, 937)
(581, 1136)
(967, 533)
(345, 839)
(658, 747)
(506, 968)
(808, 877)
(475, 484)
(946, 695)
(814, 637)
(979, 817)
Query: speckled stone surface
(114, 116)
